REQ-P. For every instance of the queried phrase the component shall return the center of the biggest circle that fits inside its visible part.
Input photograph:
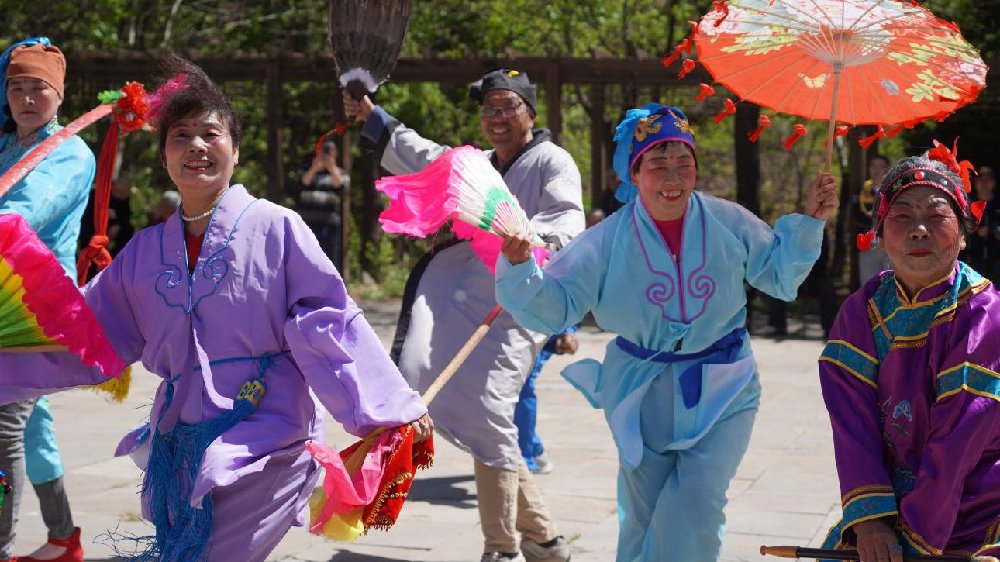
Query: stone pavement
(785, 491)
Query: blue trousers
(670, 508)
(526, 413)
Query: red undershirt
(671, 231)
(193, 244)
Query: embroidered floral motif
(682, 124)
(903, 481)
(648, 126)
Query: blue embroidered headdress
(5, 62)
(638, 132)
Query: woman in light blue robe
(51, 198)
(679, 386)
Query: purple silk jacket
(913, 391)
(261, 286)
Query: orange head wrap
(39, 61)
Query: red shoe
(71, 550)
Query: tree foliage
(443, 112)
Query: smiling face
(506, 120)
(33, 103)
(665, 176)
(200, 155)
(922, 236)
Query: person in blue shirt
(526, 410)
(679, 385)
(52, 198)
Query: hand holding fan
(461, 184)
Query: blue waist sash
(183, 532)
(722, 351)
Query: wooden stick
(33, 348)
(832, 127)
(463, 354)
(820, 554)
(354, 462)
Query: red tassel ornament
(704, 91)
(729, 108)
(868, 141)
(763, 122)
(799, 131)
(723, 8)
(686, 67)
(865, 240)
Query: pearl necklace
(186, 218)
(215, 204)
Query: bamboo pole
(353, 463)
(827, 554)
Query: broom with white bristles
(366, 37)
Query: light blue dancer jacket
(623, 271)
(53, 196)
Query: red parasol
(860, 62)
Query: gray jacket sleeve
(403, 150)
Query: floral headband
(926, 176)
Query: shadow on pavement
(355, 557)
(443, 491)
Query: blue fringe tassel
(183, 531)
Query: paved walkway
(785, 491)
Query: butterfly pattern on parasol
(41, 309)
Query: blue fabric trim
(978, 381)
(851, 359)
(377, 122)
(213, 269)
(724, 350)
(5, 62)
(869, 506)
(913, 321)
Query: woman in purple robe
(233, 302)
(914, 399)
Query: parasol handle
(463, 354)
(832, 126)
(822, 553)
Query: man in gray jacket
(450, 293)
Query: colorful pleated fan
(41, 309)
(366, 484)
(463, 186)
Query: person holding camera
(983, 250)
(319, 201)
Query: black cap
(504, 79)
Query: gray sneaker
(542, 464)
(499, 557)
(534, 552)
